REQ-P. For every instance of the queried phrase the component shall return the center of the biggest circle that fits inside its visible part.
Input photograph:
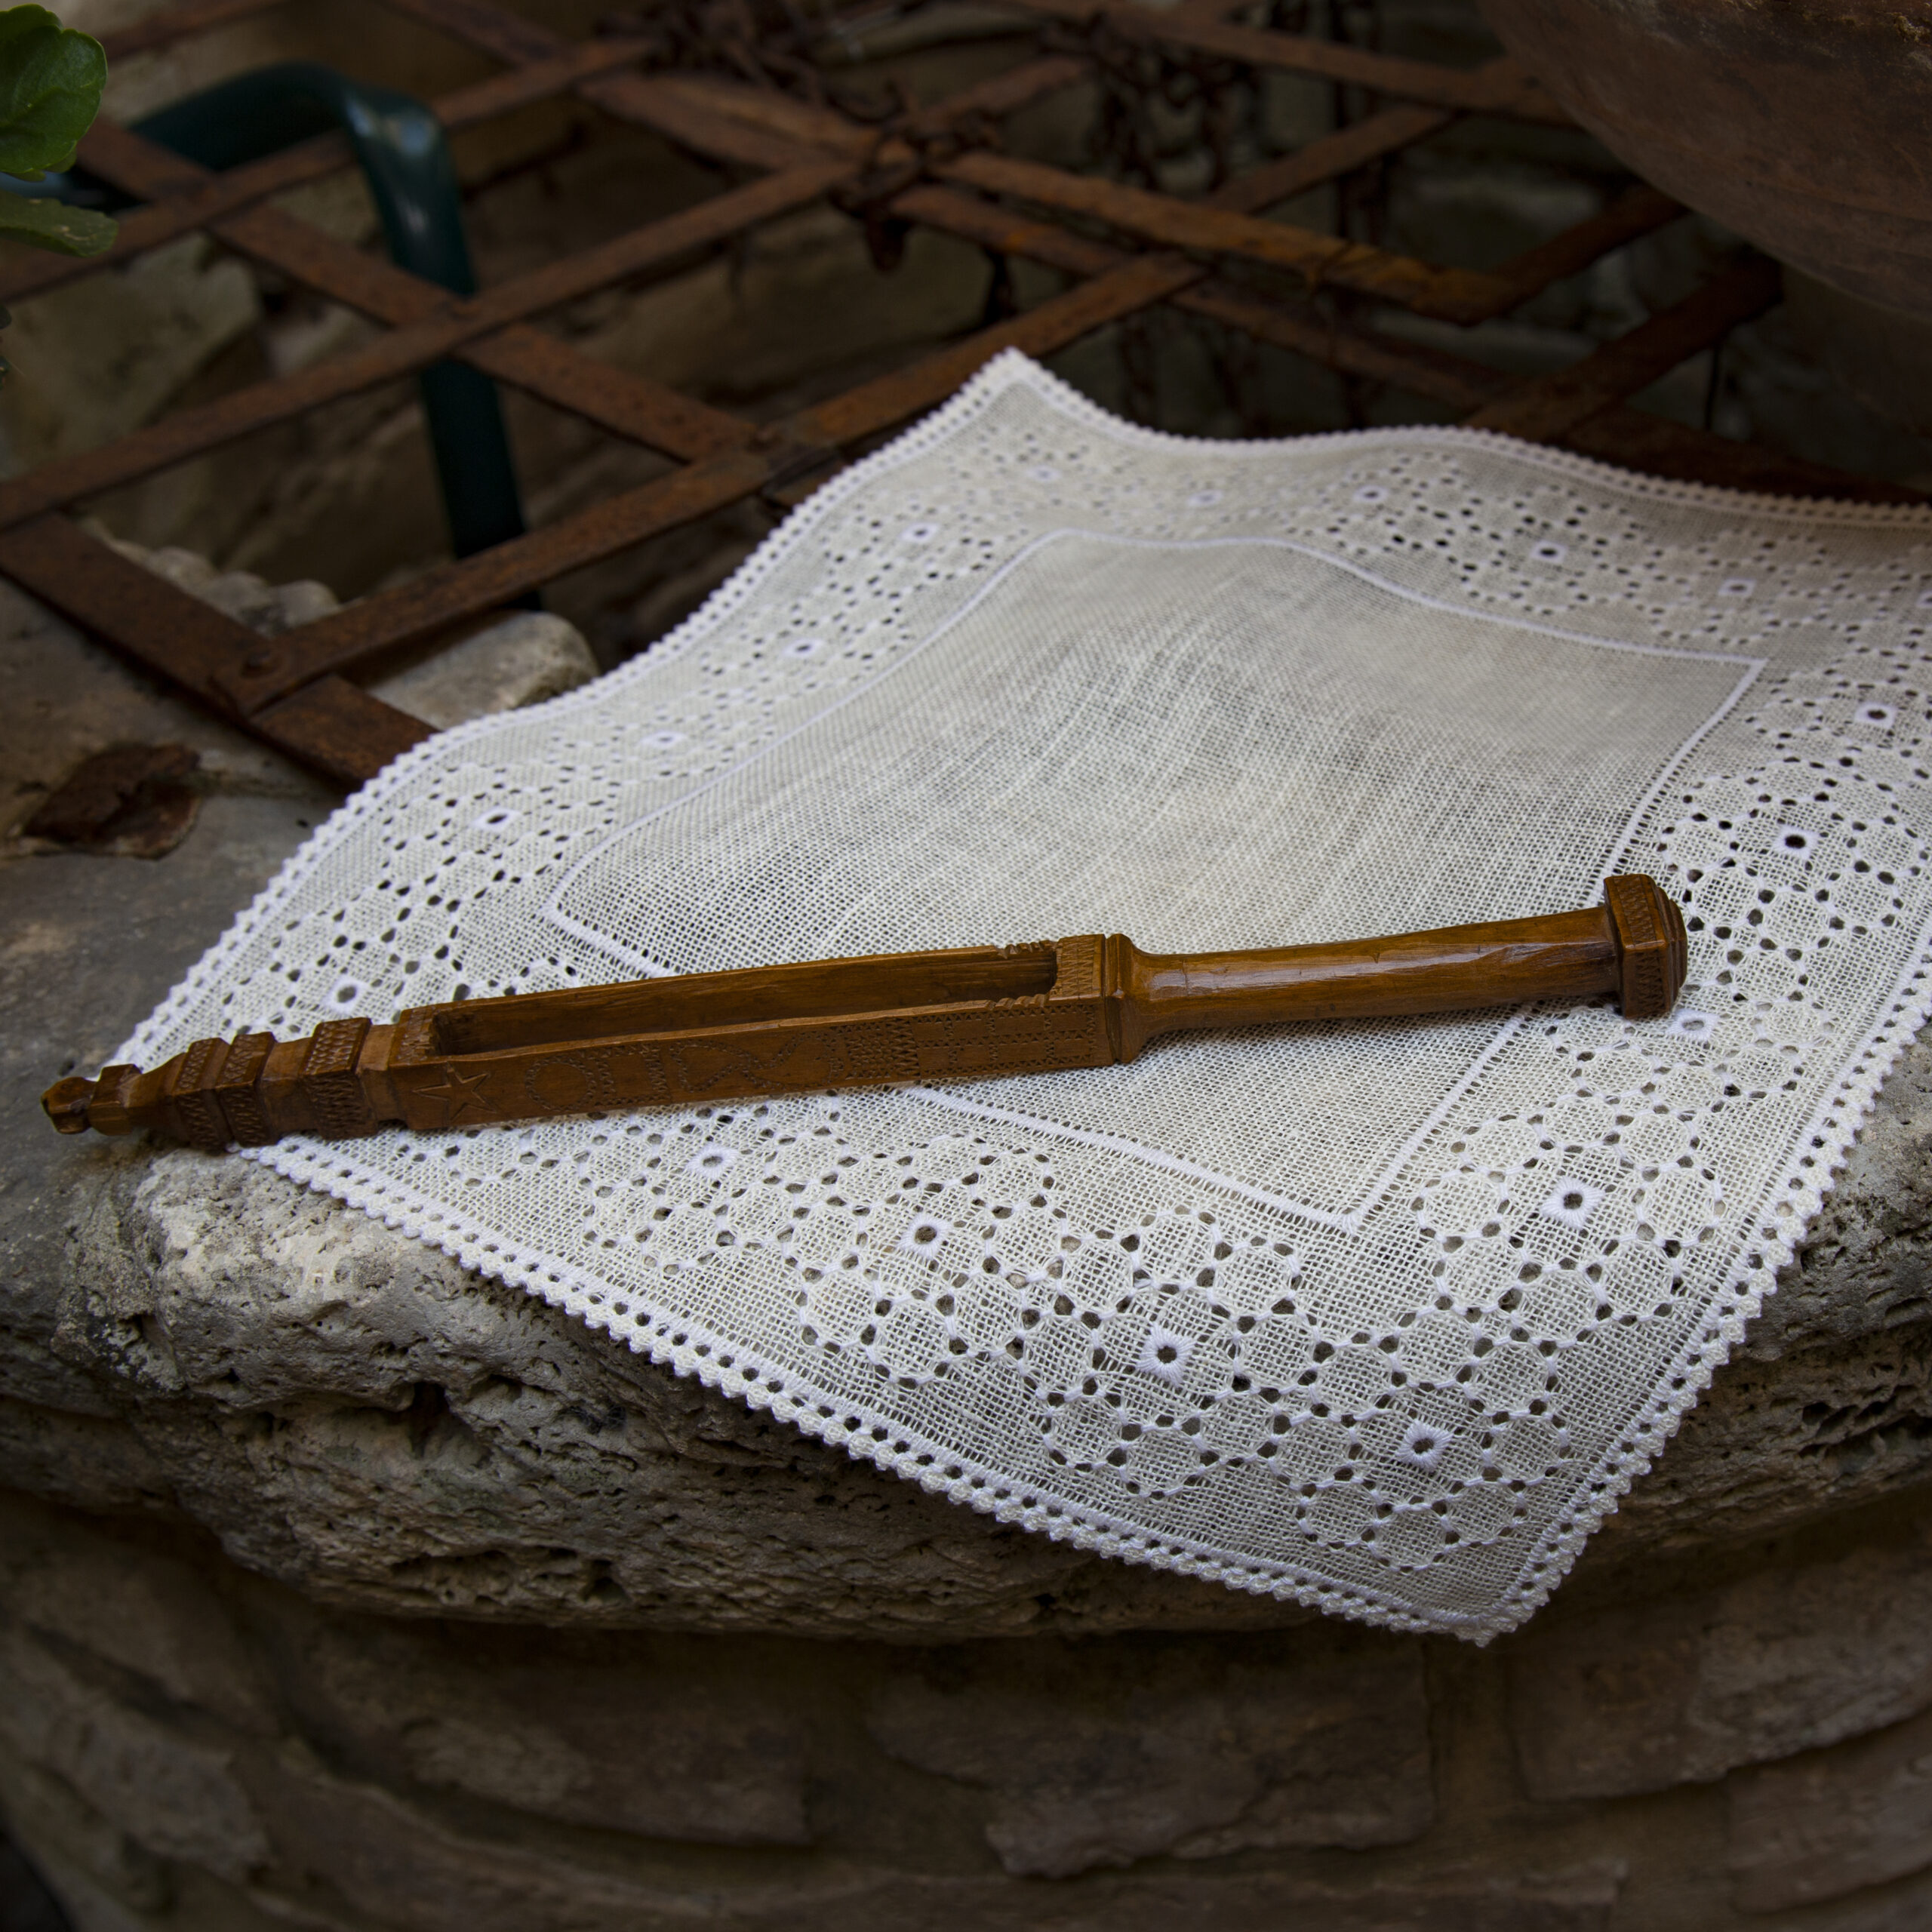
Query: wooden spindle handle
(959, 1015)
(1632, 945)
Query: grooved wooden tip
(1653, 949)
(66, 1102)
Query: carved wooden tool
(959, 1015)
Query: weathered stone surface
(1642, 1696)
(181, 1291)
(520, 660)
(1829, 1399)
(154, 1619)
(32, 1908)
(1097, 1759)
(662, 1748)
(351, 1413)
(444, 1444)
(404, 1874)
(343, 1770)
(178, 1797)
(387, 1859)
(98, 1871)
(91, 1462)
(1903, 1906)
(1817, 1429)
(270, 608)
(1830, 1822)
(96, 360)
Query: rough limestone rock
(1682, 1688)
(515, 661)
(444, 1443)
(502, 666)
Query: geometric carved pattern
(329, 1078)
(234, 1089)
(203, 1123)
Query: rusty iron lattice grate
(1220, 256)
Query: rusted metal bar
(1616, 434)
(1332, 155)
(1004, 94)
(490, 29)
(644, 99)
(446, 596)
(1451, 294)
(182, 210)
(291, 689)
(803, 127)
(534, 81)
(888, 401)
(336, 729)
(1549, 407)
(619, 402)
(1220, 226)
(180, 636)
(1303, 330)
(725, 120)
(660, 103)
(430, 324)
(1638, 211)
(433, 325)
(440, 597)
(629, 405)
(312, 160)
(1499, 87)
(1007, 232)
(1346, 347)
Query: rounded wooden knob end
(1652, 950)
(66, 1102)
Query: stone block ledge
(349, 1411)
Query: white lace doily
(1383, 1317)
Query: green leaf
(51, 79)
(51, 225)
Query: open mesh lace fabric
(1383, 1316)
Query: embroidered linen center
(1382, 1316)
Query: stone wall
(184, 1743)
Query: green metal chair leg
(406, 161)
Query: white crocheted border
(688, 1349)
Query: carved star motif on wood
(458, 1094)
